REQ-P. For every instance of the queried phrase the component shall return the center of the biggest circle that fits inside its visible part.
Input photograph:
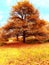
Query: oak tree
(24, 20)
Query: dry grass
(37, 54)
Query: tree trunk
(17, 37)
(24, 36)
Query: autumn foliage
(24, 21)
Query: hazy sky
(5, 7)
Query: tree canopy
(24, 20)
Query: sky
(6, 5)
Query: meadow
(24, 54)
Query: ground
(24, 54)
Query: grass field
(24, 54)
